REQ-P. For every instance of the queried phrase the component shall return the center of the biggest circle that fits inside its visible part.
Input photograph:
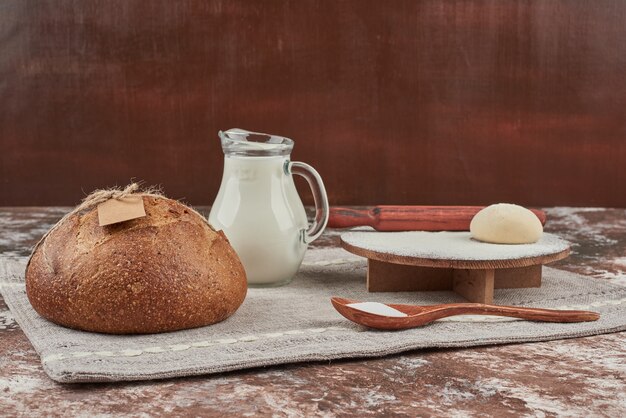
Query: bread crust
(166, 271)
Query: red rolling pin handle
(347, 218)
(410, 218)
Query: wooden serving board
(422, 261)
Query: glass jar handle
(319, 196)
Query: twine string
(100, 196)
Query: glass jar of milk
(259, 209)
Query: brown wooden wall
(405, 102)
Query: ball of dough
(505, 223)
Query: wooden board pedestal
(414, 264)
(475, 285)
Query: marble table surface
(577, 377)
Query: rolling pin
(410, 218)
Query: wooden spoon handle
(409, 218)
(533, 314)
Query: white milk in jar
(259, 209)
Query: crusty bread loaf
(163, 272)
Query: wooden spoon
(422, 315)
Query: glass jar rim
(237, 141)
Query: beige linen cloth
(297, 323)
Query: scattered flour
(19, 384)
(576, 227)
(6, 318)
(450, 245)
(621, 261)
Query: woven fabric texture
(297, 323)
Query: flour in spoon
(377, 309)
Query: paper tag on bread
(119, 210)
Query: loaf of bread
(166, 271)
